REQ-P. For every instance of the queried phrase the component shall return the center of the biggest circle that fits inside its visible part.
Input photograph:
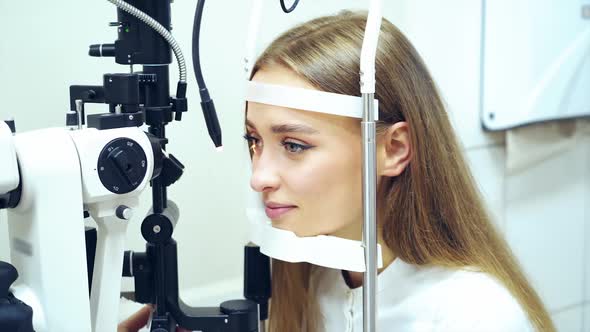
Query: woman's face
(306, 165)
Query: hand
(136, 321)
(139, 320)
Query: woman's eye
(253, 143)
(251, 139)
(295, 147)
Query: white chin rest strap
(328, 251)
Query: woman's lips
(274, 213)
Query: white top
(417, 298)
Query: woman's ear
(394, 150)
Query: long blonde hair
(430, 214)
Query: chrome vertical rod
(369, 214)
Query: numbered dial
(122, 165)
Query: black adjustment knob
(157, 228)
(122, 165)
(99, 50)
(124, 212)
(124, 162)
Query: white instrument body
(60, 180)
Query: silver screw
(157, 229)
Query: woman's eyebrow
(287, 128)
(292, 128)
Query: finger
(136, 321)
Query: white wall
(543, 210)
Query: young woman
(446, 267)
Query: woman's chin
(283, 224)
(288, 226)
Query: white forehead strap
(307, 99)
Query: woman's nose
(264, 175)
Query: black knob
(122, 165)
(102, 50)
(157, 228)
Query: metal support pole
(369, 214)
